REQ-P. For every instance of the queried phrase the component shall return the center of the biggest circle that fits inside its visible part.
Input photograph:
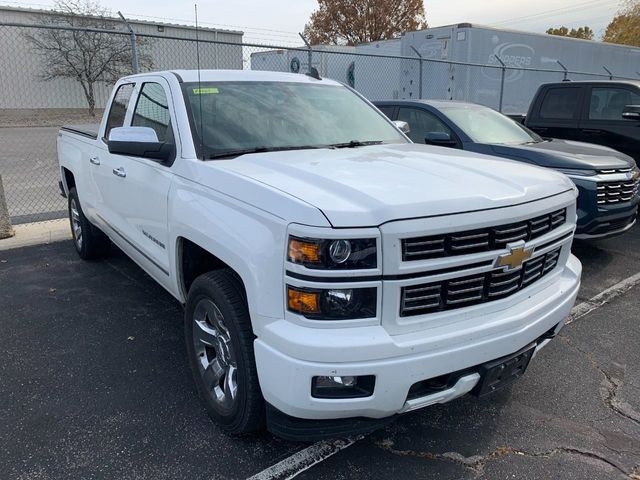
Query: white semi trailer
(467, 43)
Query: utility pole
(504, 71)
(134, 52)
(420, 72)
(309, 51)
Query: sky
(277, 21)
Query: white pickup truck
(333, 273)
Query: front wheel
(220, 347)
(90, 242)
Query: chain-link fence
(39, 93)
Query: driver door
(137, 189)
(603, 122)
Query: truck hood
(368, 186)
(556, 153)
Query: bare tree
(90, 57)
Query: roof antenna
(195, 7)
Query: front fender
(249, 240)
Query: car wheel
(219, 341)
(90, 242)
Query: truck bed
(87, 130)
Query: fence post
(420, 73)
(565, 79)
(309, 51)
(6, 230)
(134, 50)
(609, 72)
(504, 71)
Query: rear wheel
(90, 242)
(220, 347)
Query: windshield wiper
(245, 151)
(356, 143)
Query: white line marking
(603, 297)
(303, 460)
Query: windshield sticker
(205, 91)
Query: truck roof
(635, 83)
(426, 101)
(236, 76)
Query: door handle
(592, 130)
(94, 161)
(119, 172)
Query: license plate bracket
(503, 371)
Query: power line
(261, 31)
(592, 3)
(264, 32)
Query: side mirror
(402, 126)
(631, 112)
(138, 142)
(441, 139)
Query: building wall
(21, 66)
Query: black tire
(90, 242)
(233, 346)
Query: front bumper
(400, 361)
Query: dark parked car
(607, 180)
(604, 112)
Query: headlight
(333, 254)
(574, 172)
(332, 304)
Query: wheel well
(195, 261)
(69, 178)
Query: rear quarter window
(560, 103)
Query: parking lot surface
(95, 384)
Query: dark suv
(602, 112)
(607, 180)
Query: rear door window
(607, 103)
(561, 103)
(118, 109)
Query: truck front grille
(617, 192)
(480, 240)
(474, 289)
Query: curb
(38, 233)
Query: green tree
(625, 26)
(582, 32)
(350, 22)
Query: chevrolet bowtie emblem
(516, 257)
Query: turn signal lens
(332, 304)
(303, 251)
(303, 302)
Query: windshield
(484, 125)
(244, 116)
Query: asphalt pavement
(95, 384)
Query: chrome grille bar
(471, 290)
(480, 240)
